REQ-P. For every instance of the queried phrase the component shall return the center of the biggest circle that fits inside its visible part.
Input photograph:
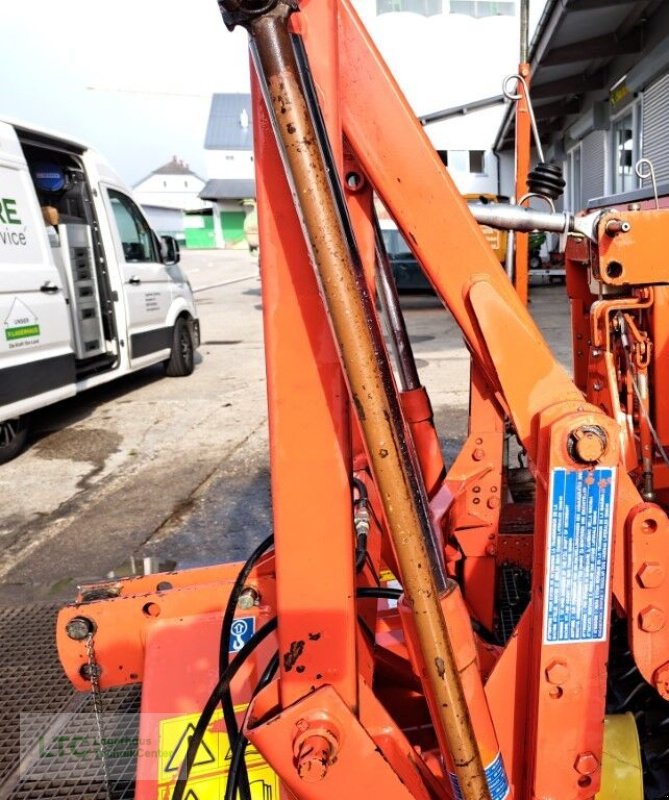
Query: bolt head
(493, 502)
(651, 575)
(586, 763)
(80, 628)
(478, 454)
(248, 598)
(651, 619)
(557, 672)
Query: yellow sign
(212, 761)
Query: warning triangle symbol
(203, 756)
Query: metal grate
(37, 701)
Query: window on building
(626, 149)
(186, 184)
(229, 158)
(427, 8)
(483, 8)
(477, 161)
(472, 161)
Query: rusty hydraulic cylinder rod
(370, 382)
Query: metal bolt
(491, 550)
(493, 502)
(248, 598)
(597, 386)
(651, 575)
(586, 763)
(587, 443)
(651, 619)
(557, 672)
(478, 454)
(661, 681)
(80, 628)
(314, 758)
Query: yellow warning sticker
(212, 761)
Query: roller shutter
(656, 127)
(593, 162)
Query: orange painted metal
(347, 713)
(310, 457)
(122, 623)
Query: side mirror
(169, 250)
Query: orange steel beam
(310, 456)
(414, 185)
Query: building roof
(230, 125)
(173, 167)
(571, 53)
(229, 189)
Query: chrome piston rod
(516, 218)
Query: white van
(88, 292)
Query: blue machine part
(241, 630)
(580, 533)
(498, 784)
(48, 177)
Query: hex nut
(651, 619)
(557, 672)
(651, 575)
(586, 763)
(661, 681)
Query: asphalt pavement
(152, 473)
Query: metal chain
(94, 669)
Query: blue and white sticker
(495, 775)
(578, 564)
(241, 630)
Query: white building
(174, 185)
(448, 54)
(230, 168)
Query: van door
(36, 352)
(147, 283)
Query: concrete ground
(157, 473)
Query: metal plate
(38, 704)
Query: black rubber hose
(224, 652)
(207, 713)
(239, 749)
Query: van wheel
(13, 434)
(182, 359)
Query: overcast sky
(132, 77)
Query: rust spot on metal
(293, 654)
(314, 637)
(383, 452)
(299, 668)
(359, 408)
(441, 667)
(291, 128)
(318, 676)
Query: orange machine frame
(354, 701)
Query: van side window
(135, 234)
